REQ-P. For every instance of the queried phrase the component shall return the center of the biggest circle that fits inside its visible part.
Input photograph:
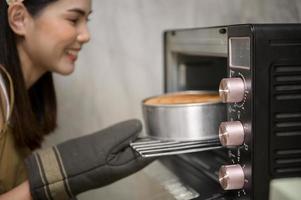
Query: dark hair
(35, 110)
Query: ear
(18, 18)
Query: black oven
(257, 70)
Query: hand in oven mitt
(85, 163)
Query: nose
(83, 34)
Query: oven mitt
(85, 163)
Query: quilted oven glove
(84, 163)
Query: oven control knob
(231, 177)
(232, 90)
(231, 133)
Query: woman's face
(55, 36)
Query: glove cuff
(47, 176)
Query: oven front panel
(240, 65)
(261, 66)
(196, 59)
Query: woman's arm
(81, 164)
(21, 192)
(84, 163)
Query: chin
(65, 71)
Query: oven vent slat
(287, 115)
(283, 88)
(288, 124)
(288, 170)
(288, 133)
(287, 166)
(288, 97)
(286, 82)
(288, 69)
(286, 42)
(288, 152)
(288, 78)
(287, 161)
(286, 119)
(282, 121)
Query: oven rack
(148, 147)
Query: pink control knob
(232, 90)
(231, 177)
(231, 133)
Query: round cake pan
(184, 121)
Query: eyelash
(74, 21)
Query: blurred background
(123, 64)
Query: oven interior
(200, 72)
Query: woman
(39, 37)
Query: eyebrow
(80, 11)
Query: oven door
(196, 59)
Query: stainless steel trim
(154, 148)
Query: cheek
(59, 32)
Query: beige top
(12, 167)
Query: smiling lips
(73, 54)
